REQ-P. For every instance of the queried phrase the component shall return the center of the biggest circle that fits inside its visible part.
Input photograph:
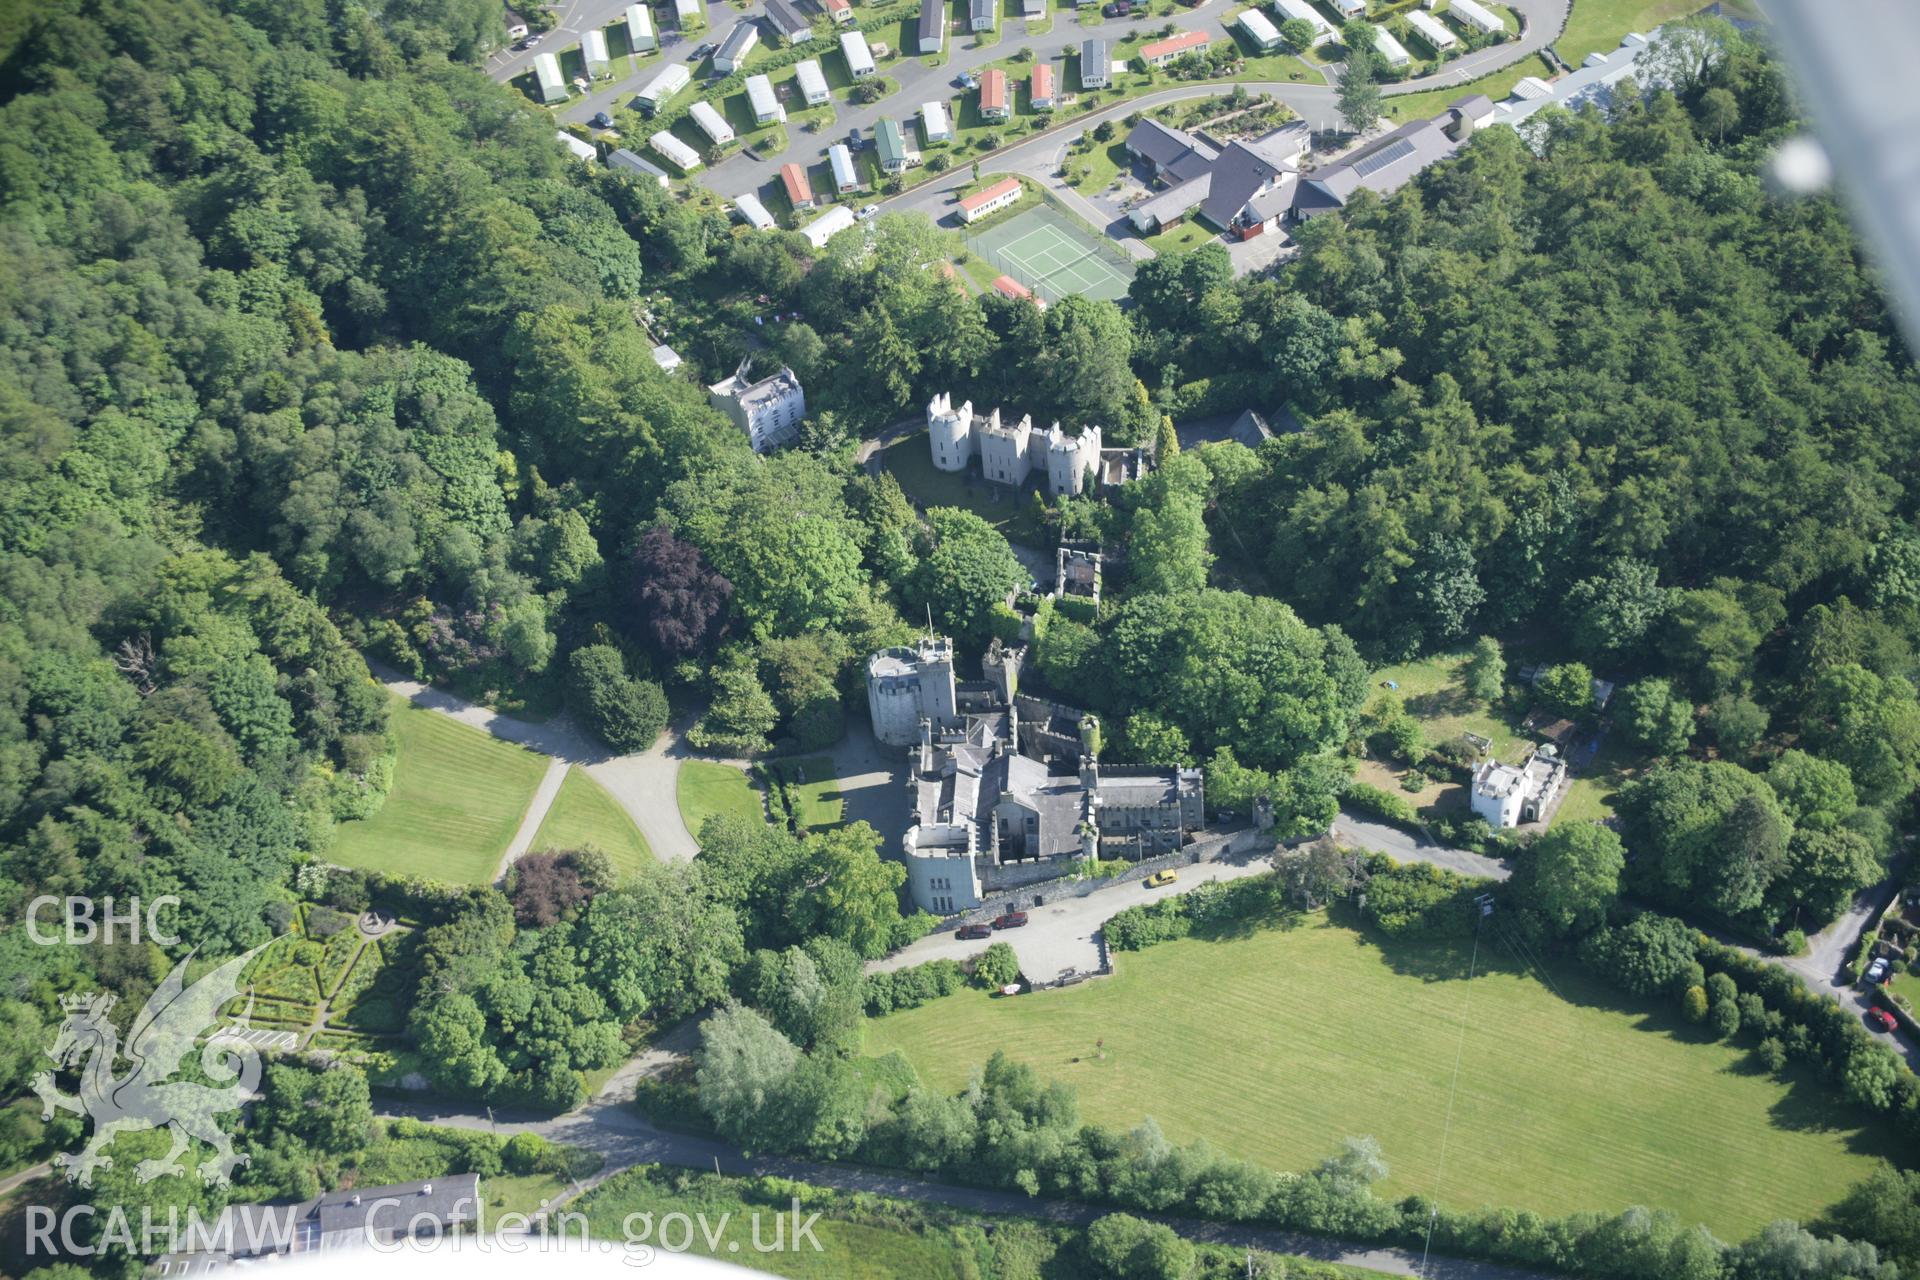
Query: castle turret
(950, 433)
(1070, 458)
(1002, 666)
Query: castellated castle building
(989, 812)
(1010, 452)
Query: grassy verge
(584, 814)
(1190, 234)
(1570, 1097)
(458, 795)
(707, 789)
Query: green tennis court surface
(1046, 251)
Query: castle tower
(937, 700)
(908, 687)
(1070, 458)
(1002, 665)
(950, 433)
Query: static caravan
(812, 81)
(711, 123)
(1392, 50)
(734, 49)
(637, 165)
(1264, 35)
(764, 103)
(582, 151)
(1289, 9)
(593, 50)
(640, 33)
(672, 79)
(827, 226)
(853, 45)
(546, 73)
(799, 186)
(677, 153)
(753, 213)
(1432, 30)
(846, 178)
(1096, 64)
(1476, 16)
(690, 13)
(934, 123)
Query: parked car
(1118, 9)
(1878, 971)
(969, 931)
(1011, 920)
(853, 139)
(601, 120)
(867, 212)
(1159, 878)
(700, 51)
(1881, 1020)
(534, 39)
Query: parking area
(1059, 936)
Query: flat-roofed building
(1260, 31)
(672, 79)
(753, 212)
(853, 47)
(593, 51)
(1432, 30)
(846, 178)
(546, 75)
(638, 165)
(812, 81)
(1476, 16)
(676, 152)
(934, 123)
(763, 101)
(641, 37)
(711, 123)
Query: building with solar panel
(1382, 167)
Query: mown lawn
(910, 459)
(458, 796)
(816, 791)
(1278, 1044)
(706, 789)
(1595, 26)
(584, 814)
(1433, 692)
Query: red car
(1011, 920)
(1881, 1020)
(967, 931)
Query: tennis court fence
(1066, 277)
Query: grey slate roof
(1384, 166)
(1238, 174)
(1176, 201)
(978, 9)
(787, 19)
(735, 45)
(1096, 52)
(1179, 154)
(1473, 105)
(933, 22)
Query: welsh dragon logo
(169, 1027)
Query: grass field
(584, 814)
(458, 795)
(1595, 26)
(706, 789)
(1311, 1033)
(1433, 693)
(817, 791)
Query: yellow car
(1159, 878)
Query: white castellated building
(906, 686)
(1009, 453)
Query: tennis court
(1046, 251)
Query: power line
(1453, 1091)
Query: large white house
(769, 410)
(1507, 795)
